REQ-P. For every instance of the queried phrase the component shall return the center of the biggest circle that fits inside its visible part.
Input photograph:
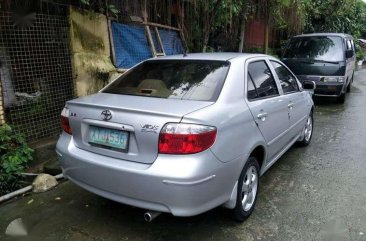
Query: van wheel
(349, 85)
(248, 185)
(342, 98)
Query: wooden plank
(160, 42)
(181, 32)
(151, 42)
(113, 54)
(160, 26)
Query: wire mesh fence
(36, 72)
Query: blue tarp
(131, 45)
(172, 43)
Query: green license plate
(108, 137)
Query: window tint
(263, 81)
(173, 79)
(287, 80)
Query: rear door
(267, 106)
(294, 97)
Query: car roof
(343, 35)
(220, 56)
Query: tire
(342, 98)
(308, 131)
(349, 87)
(350, 84)
(247, 192)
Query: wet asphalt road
(313, 193)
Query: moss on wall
(88, 40)
(90, 50)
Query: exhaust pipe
(149, 216)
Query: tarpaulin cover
(131, 45)
(172, 43)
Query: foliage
(14, 157)
(102, 7)
(342, 16)
(360, 51)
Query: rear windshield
(173, 79)
(326, 48)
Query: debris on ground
(43, 183)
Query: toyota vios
(187, 133)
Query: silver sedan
(187, 133)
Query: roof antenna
(184, 52)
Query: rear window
(173, 79)
(327, 48)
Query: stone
(44, 182)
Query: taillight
(65, 121)
(179, 138)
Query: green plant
(360, 51)
(360, 54)
(14, 157)
(257, 50)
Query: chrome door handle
(262, 116)
(290, 105)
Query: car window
(252, 92)
(263, 80)
(287, 80)
(349, 45)
(173, 79)
(326, 48)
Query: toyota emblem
(106, 115)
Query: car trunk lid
(132, 126)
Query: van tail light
(180, 138)
(65, 121)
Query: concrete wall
(89, 40)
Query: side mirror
(349, 53)
(308, 85)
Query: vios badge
(106, 115)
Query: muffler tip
(147, 217)
(150, 216)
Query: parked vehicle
(326, 58)
(185, 134)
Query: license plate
(108, 137)
(332, 87)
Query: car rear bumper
(183, 185)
